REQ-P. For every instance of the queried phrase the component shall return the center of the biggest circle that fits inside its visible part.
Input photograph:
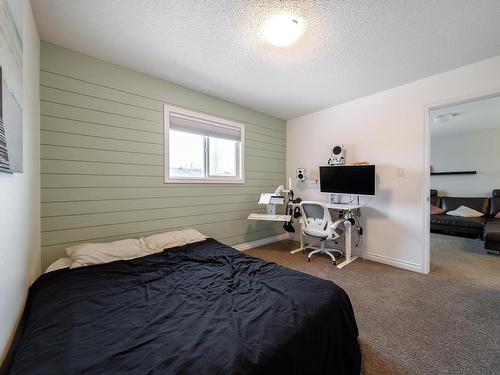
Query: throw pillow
(435, 210)
(465, 211)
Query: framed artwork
(11, 93)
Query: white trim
(195, 180)
(202, 117)
(426, 186)
(263, 241)
(364, 254)
(410, 266)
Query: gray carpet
(447, 322)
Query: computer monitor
(347, 179)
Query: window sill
(202, 181)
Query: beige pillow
(465, 211)
(98, 253)
(59, 264)
(161, 241)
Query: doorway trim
(426, 185)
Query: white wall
(387, 129)
(472, 151)
(20, 199)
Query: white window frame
(212, 120)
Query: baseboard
(392, 262)
(375, 257)
(263, 241)
(364, 254)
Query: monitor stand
(332, 200)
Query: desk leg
(301, 248)
(348, 258)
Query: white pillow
(97, 253)
(161, 241)
(465, 211)
(59, 264)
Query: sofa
(492, 227)
(486, 227)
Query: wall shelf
(457, 172)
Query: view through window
(202, 148)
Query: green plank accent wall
(102, 159)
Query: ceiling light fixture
(444, 117)
(283, 29)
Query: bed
(203, 308)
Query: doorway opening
(463, 185)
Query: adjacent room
(249, 187)
(464, 181)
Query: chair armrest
(337, 223)
(333, 233)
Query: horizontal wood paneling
(88, 194)
(58, 209)
(94, 104)
(133, 227)
(63, 111)
(79, 67)
(51, 224)
(102, 159)
(114, 143)
(71, 167)
(236, 238)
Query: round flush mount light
(283, 29)
(444, 117)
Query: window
(202, 148)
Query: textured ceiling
(471, 116)
(349, 48)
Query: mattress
(203, 308)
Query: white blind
(206, 128)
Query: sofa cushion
(492, 247)
(494, 206)
(458, 221)
(492, 230)
(478, 204)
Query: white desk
(335, 206)
(283, 218)
(268, 217)
(343, 206)
(347, 230)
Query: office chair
(317, 222)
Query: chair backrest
(315, 216)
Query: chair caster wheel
(335, 263)
(303, 251)
(309, 259)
